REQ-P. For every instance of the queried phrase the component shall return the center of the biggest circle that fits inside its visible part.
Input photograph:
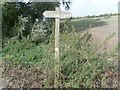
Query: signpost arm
(57, 25)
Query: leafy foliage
(13, 11)
(80, 65)
(41, 31)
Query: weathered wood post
(57, 15)
(56, 64)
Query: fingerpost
(57, 14)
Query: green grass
(82, 25)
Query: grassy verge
(29, 65)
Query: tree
(32, 10)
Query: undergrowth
(29, 65)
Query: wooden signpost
(57, 15)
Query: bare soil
(101, 33)
(1, 79)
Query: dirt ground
(101, 33)
(1, 79)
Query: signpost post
(57, 15)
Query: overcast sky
(93, 7)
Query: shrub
(41, 31)
(81, 65)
